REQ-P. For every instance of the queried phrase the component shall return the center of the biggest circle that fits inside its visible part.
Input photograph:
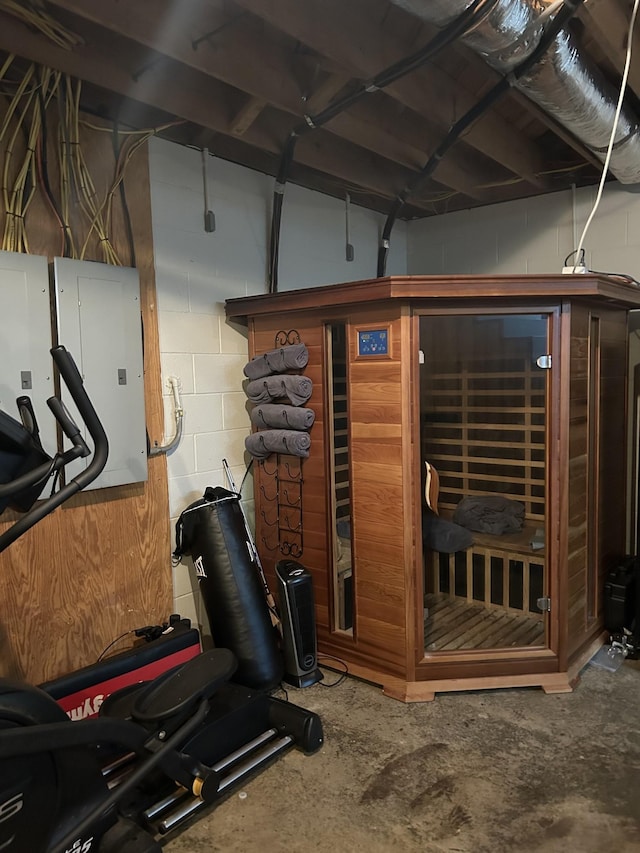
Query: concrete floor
(507, 770)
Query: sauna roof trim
(614, 289)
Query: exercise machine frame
(159, 752)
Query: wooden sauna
(513, 390)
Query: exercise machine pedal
(170, 812)
(244, 731)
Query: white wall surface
(530, 236)
(197, 271)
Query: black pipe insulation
(456, 29)
(564, 15)
(402, 67)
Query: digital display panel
(373, 342)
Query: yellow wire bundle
(21, 180)
(34, 14)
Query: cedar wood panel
(377, 492)
(383, 455)
(596, 457)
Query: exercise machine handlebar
(71, 377)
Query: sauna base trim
(425, 691)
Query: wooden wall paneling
(262, 338)
(577, 472)
(380, 630)
(588, 462)
(99, 566)
(412, 466)
(378, 492)
(385, 436)
(612, 457)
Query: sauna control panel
(373, 342)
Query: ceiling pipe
(564, 83)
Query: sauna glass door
(340, 487)
(483, 423)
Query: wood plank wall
(380, 517)
(596, 454)
(100, 565)
(314, 539)
(379, 511)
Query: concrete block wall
(197, 271)
(530, 235)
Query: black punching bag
(213, 533)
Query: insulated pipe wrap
(578, 97)
(565, 83)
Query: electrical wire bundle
(24, 116)
(26, 139)
(75, 178)
(24, 127)
(124, 152)
(34, 14)
(24, 132)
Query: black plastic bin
(621, 591)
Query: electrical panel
(99, 322)
(26, 368)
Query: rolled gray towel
(297, 388)
(293, 357)
(282, 416)
(268, 441)
(495, 514)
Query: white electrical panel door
(99, 322)
(26, 368)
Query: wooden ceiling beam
(246, 116)
(347, 36)
(202, 101)
(611, 23)
(232, 52)
(422, 138)
(323, 94)
(267, 77)
(586, 155)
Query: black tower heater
(295, 596)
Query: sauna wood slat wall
(459, 448)
(100, 565)
(375, 424)
(262, 338)
(377, 644)
(379, 511)
(610, 520)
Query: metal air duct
(564, 83)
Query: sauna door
(483, 424)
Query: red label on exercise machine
(86, 703)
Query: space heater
(297, 612)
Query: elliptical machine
(160, 751)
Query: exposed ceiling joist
(241, 75)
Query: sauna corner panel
(583, 499)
